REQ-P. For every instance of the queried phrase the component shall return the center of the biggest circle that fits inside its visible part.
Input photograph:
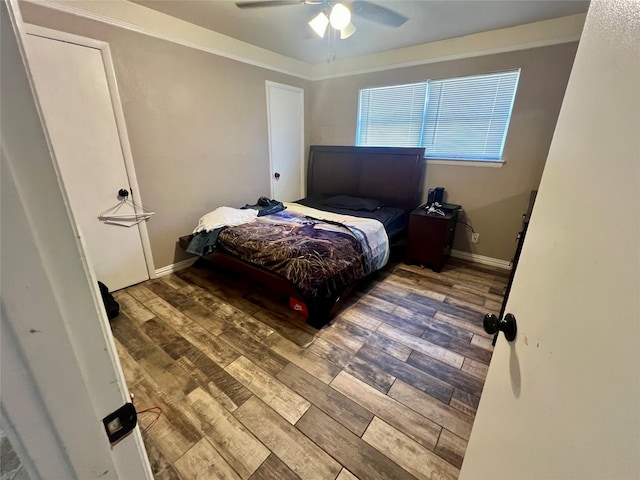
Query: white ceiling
(284, 29)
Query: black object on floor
(110, 305)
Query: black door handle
(492, 325)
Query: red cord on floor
(157, 411)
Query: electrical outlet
(475, 237)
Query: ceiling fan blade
(376, 13)
(268, 3)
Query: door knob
(508, 325)
(276, 175)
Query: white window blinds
(392, 116)
(458, 118)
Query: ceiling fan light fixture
(319, 24)
(340, 16)
(347, 31)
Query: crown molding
(136, 18)
(139, 19)
(521, 37)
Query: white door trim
(268, 86)
(121, 125)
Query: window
(462, 118)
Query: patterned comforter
(319, 252)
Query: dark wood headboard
(394, 175)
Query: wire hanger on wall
(112, 217)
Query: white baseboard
(174, 267)
(475, 258)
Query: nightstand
(431, 237)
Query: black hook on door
(508, 325)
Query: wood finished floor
(249, 391)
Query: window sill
(465, 163)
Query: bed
(322, 254)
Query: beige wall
(198, 131)
(196, 123)
(494, 199)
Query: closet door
(285, 117)
(78, 108)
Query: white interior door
(563, 400)
(285, 113)
(59, 368)
(77, 105)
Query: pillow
(353, 203)
(225, 216)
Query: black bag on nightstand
(435, 195)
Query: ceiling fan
(337, 14)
